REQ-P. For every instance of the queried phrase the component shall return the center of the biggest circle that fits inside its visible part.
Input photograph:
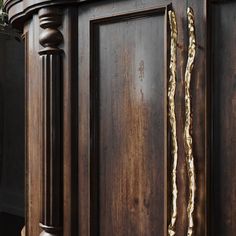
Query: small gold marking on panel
(172, 120)
(188, 121)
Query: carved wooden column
(50, 39)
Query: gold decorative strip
(172, 119)
(188, 121)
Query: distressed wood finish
(116, 147)
(128, 124)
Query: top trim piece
(19, 10)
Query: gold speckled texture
(172, 120)
(188, 122)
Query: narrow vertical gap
(26, 97)
(94, 132)
(209, 120)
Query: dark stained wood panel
(128, 125)
(70, 133)
(33, 132)
(224, 113)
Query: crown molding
(20, 10)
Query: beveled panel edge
(20, 10)
(122, 16)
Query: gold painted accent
(188, 121)
(172, 119)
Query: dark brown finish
(33, 91)
(127, 111)
(70, 122)
(128, 125)
(34, 119)
(113, 132)
(19, 9)
(200, 108)
(224, 117)
(50, 38)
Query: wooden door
(125, 148)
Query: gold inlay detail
(172, 120)
(188, 121)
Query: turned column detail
(50, 56)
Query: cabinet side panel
(33, 129)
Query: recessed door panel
(126, 125)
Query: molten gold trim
(188, 121)
(172, 119)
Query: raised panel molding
(128, 102)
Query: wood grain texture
(34, 119)
(116, 143)
(130, 116)
(127, 119)
(201, 127)
(224, 116)
(70, 121)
